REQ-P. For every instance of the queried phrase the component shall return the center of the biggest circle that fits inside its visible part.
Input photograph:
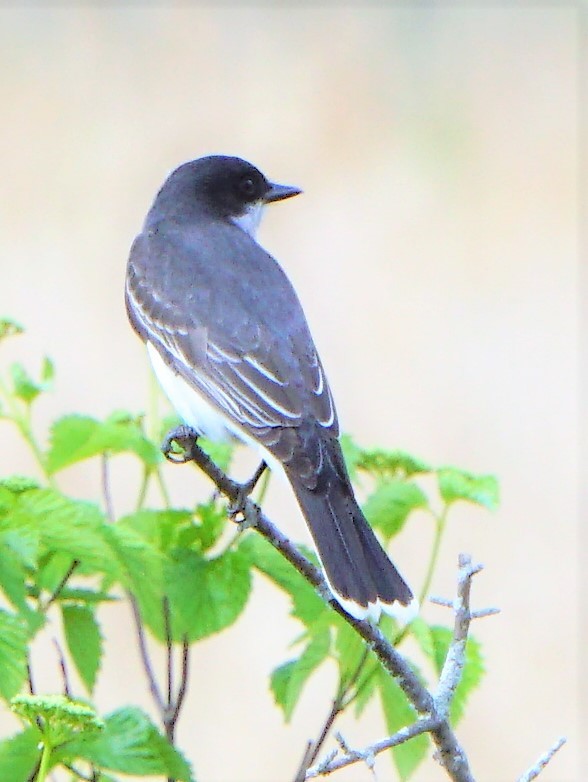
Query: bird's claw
(185, 438)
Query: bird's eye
(247, 186)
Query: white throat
(250, 219)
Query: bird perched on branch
(231, 347)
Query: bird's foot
(179, 444)
(236, 509)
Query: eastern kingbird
(230, 345)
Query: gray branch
(432, 710)
(535, 770)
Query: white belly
(196, 411)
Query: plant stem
(440, 524)
(44, 765)
(22, 420)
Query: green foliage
(188, 580)
(130, 744)
(77, 437)
(84, 641)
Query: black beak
(279, 192)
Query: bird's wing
(263, 378)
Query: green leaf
(139, 568)
(309, 607)
(14, 637)
(206, 595)
(12, 577)
(162, 529)
(352, 454)
(213, 519)
(24, 386)
(424, 637)
(9, 328)
(288, 679)
(389, 506)
(19, 755)
(84, 641)
(398, 713)
(75, 438)
(473, 670)
(456, 484)
(391, 464)
(64, 525)
(131, 744)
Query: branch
(450, 753)
(145, 659)
(366, 755)
(535, 770)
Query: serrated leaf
(12, 578)
(19, 756)
(390, 504)
(160, 528)
(307, 605)
(65, 526)
(398, 713)
(288, 680)
(84, 641)
(9, 328)
(456, 484)
(75, 438)
(473, 670)
(206, 595)
(131, 744)
(14, 637)
(139, 568)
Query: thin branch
(338, 705)
(450, 753)
(144, 652)
(63, 667)
(366, 755)
(455, 660)
(535, 770)
(184, 676)
(106, 493)
(169, 650)
(61, 586)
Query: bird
(231, 348)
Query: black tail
(358, 570)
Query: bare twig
(432, 710)
(338, 705)
(144, 652)
(106, 493)
(535, 770)
(366, 755)
(450, 753)
(63, 667)
(61, 586)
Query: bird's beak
(279, 192)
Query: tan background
(435, 251)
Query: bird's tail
(360, 574)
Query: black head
(224, 187)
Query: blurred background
(437, 149)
